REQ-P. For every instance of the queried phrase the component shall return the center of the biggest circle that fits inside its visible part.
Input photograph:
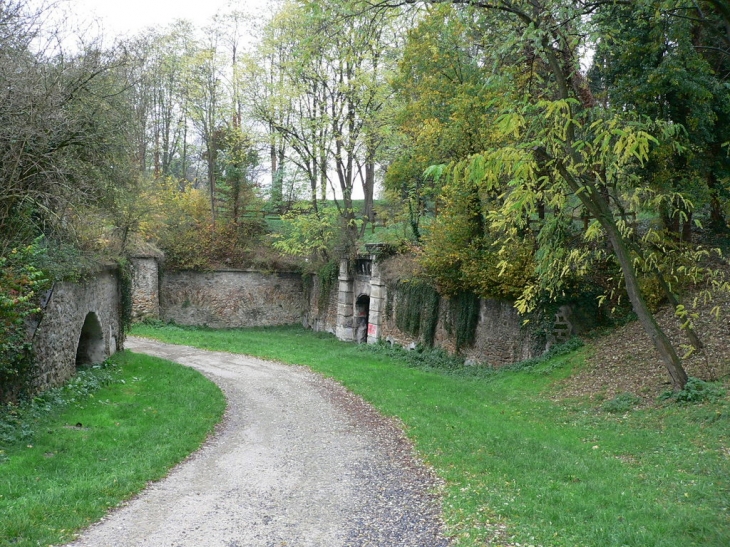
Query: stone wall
(145, 288)
(500, 338)
(234, 298)
(81, 324)
(321, 312)
(361, 317)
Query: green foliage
(416, 309)
(695, 391)
(20, 285)
(179, 223)
(19, 422)
(313, 235)
(423, 357)
(621, 403)
(463, 318)
(555, 351)
(126, 279)
(327, 276)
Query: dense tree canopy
(532, 148)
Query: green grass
(64, 476)
(555, 473)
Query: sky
(127, 17)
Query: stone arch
(91, 349)
(362, 316)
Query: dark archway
(362, 313)
(90, 349)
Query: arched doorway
(90, 349)
(362, 312)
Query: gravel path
(298, 461)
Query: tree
(669, 64)
(64, 128)
(326, 101)
(564, 146)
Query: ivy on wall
(20, 285)
(125, 297)
(327, 275)
(463, 318)
(416, 309)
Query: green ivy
(463, 318)
(20, 284)
(125, 298)
(417, 309)
(328, 276)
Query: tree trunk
(595, 203)
(646, 318)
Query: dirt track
(298, 461)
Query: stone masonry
(232, 298)
(81, 324)
(145, 288)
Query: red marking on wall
(371, 329)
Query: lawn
(522, 466)
(77, 452)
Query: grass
(77, 453)
(519, 466)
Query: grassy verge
(77, 452)
(521, 467)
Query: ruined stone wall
(91, 308)
(145, 288)
(321, 312)
(232, 298)
(500, 339)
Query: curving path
(298, 461)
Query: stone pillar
(345, 305)
(378, 294)
(145, 288)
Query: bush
(623, 402)
(695, 391)
(20, 283)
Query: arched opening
(90, 349)
(362, 312)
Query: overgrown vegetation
(416, 308)
(463, 318)
(520, 466)
(101, 433)
(21, 283)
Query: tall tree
(64, 127)
(564, 145)
(672, 63)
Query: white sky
(127, 17)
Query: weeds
(695, 391)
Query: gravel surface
(298, 461)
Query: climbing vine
(125, 298)
(463, 318)
(327, 276)
(20, 284)
(416, 309)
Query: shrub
(20, 283)
(695, 391)
(623, 402)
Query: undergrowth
(439, 360)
